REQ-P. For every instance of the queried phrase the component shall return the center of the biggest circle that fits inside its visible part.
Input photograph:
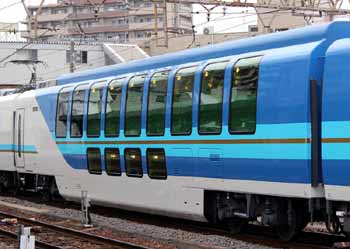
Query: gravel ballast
(148, 230)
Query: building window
(156, 164)
(55, 24)
(94, 161)
(94, 110)
(133, 106)
(84, 57)
(156, 104)
(140, 34)
(210, 100)
(80, 57)
(244, 95)
(113, 102)
(181, 113)
(76, 121)
(112, 162)
(133, 162)
(110, 8)
(62, 112)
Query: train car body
(335, 122)
(226, 132)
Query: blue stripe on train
(291, 171)
(336, 172)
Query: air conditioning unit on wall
(208, 30)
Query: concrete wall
(54, 61)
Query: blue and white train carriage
(256, 128)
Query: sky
(235, 20)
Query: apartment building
(120, 20)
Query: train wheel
(333, 224)
(288, 221)
(51, 193)
(236, 225)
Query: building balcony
(106, 14)
(98, 29)
(50, 18)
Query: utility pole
(29, 18)
(72, 56)
(155, 7)
(165, 25)
(38, 12)
(32, 19)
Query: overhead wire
(20, 49)
(10, 5)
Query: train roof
(330, 31)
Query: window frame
(69, 91)
(126, 164)
(120, 105)
(230, 97)
(126, 104)
(86, 85)
(88, 163)
(165, 103)
(88, 107)
(165, 167)
(199, 98)
(196, 66)
(105, 164)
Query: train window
(133, 162)
(156, 104)
(210, 105)
(76, 121)
(133, 106)
(156, 164)
(94, 160)
(94, 110)
(112, 161)
(244, 95)
(113, 102)
(181, 113)
(62, 112)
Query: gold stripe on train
(222, 141)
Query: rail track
(54, 236)
(255, 233)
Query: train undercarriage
(17, 182)
(288, 216)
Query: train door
(18, 138)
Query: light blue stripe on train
(251, 151)
(13, 147)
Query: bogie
(288, 216)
